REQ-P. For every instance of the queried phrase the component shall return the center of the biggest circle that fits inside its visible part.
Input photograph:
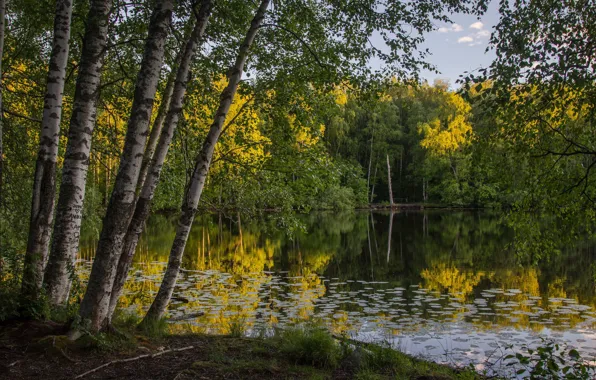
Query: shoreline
(29, 349)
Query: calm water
(445, 285)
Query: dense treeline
(112, 110)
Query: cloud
(465, 39)
(477, 25)
(483, 33)
(453, 28)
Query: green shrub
(337, 198)
(551, 361)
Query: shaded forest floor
(33, 350)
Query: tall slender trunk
(44, 182)
(2, 27)
(372, 190)
(157, 126)
(193, 194)
(389, 182)
(96, 301)
(142, 207)
(369, 169)
(76, 160)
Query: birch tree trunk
(389, 182)
(76, 160)
(193, 193)
(2, 27)
(141, 212)
(44, 182)
(96, 301)
(157, 127)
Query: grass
(309, 345)
(315, 347)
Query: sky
(460, 46)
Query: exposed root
(133, 359)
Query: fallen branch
(133, 359)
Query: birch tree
(97, 297)
(76, 161)
(157, 127)
(44, 185)
(149, 184)
(193, 194)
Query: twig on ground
(13, 363)
(133, 359)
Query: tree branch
(15, 114)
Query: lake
(446, 285)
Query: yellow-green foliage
(450, 129)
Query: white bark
(142, 207)
(369, 168)
(157, 127)
(44, 185)
(96, 301)
(76, 160)
(193, 193)
(389, 182)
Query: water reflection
(447, 285)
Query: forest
(113, 111)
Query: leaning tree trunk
(141, 212)
(76, 160)
(2, 26)
(193, 194)
(44, 182)
(157, 127)
(96, 301)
